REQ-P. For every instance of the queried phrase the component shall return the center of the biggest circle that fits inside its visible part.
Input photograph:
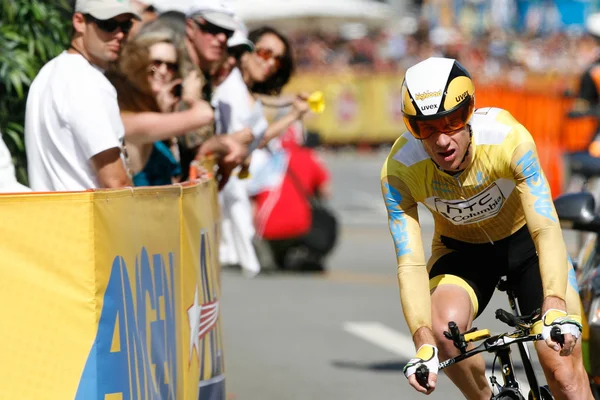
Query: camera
(177, 90)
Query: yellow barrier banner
(385, 123)
(111, 295)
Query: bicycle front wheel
(509, 394)
(544, 392)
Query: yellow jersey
(501, 190)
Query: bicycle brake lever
(557, 336)
(422, 375)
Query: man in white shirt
(73, 130)
(234, 113)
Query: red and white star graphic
(202, 319)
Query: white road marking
(382, 336)
(402, 345)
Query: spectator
(588, 96)
(73, 131)
(273, 54)
(283, 214)
(146, 10)
(146, 78)
(208, 26)
(238, 110)
(198, 142)
(8, 181)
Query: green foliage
(31, 33)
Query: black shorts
(482, 265)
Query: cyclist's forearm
(541, 217)
(413, 281)
(553, 260)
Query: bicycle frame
(524, 353)
(500, 345)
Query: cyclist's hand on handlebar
(427, 356)
(561, 331)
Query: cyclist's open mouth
(447, 155)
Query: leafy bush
(31, 33)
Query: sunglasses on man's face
(267, 54)
(110, 25)
(213, 29)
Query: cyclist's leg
(566, 376)
(459, 291)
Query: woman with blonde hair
(149, 87)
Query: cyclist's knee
(565, 374)
(565, 378)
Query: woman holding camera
(148, 89)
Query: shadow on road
(393, 366)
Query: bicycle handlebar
(492, 343)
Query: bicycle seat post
(504, 286)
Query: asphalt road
(336, 336)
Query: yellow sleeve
(413, 278)
(541, 217)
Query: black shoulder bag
(323, 232)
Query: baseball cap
(217, 12)
(240, 36)
(105, 9)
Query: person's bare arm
(299, 108)
(150, 127)
(110, 169)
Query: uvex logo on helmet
(462, 96)
(434, 89)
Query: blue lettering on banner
(532, 172)
(134, 353)
(398, 226)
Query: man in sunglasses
(209, 24)
(73, 130)
(479, 174)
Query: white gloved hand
(568, 324)
(426, 355)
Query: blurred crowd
(142, 98)
(489, 53)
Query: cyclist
(479, 174)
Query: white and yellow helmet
(438, 95)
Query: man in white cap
(210, 24)
(73, 130)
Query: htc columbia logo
(427, 94)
